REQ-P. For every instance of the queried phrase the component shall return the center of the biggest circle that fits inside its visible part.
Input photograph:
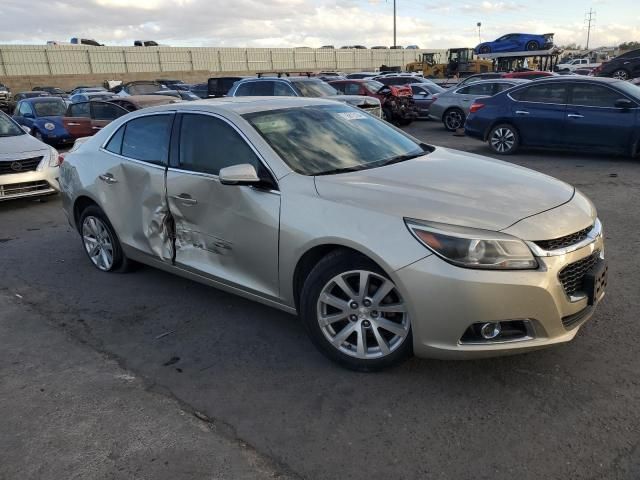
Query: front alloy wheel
(453, 120)
(354, 313)
(503, 139)
(98, 243)
(621, 74)
(362, 314)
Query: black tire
(387, 116)
(621, 74)
(336, 263)
(485, 49)
(504, 139)
(120, 262)
(403, 122)
(453, 119)
(532, 45)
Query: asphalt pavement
(569, 412)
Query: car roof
(242, 105)
(578, 78)
(497, 80)
(42, 99)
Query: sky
(312, 23)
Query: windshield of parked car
(144, 88)
(9, 128)
(373, 86)
(52, 108)
(630, 89)
(315, 88)
(327, 139)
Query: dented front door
(228, 233)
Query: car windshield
(52, 108)
(315, 88)
(373, 86)
(630, 89)
(9, 128)
(327, 139)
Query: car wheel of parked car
(453, 119)
(504, 139)
(354, 313)
(403, 122)
(100, 241)
(532, 45)
(387, 116)
(38, 135)
(621, 74)
(485, 49)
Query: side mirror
(26, 129)
(624, 103)
(243, 174)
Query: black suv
(220, 86)
(623, 67)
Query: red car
(398, 106)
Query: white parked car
(28, 167)
(575, 64)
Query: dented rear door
(131, 185)
(228, 233)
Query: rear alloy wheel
(532, 45)
(504, 139)
(453, 119)
(621, 74)
(355, 314)
(101, 243)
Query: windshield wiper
(400, 158)
(343, 170)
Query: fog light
(489, 331)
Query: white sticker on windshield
(352, 115)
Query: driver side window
(25, 108)
(208, 144)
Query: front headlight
(54, 157)
(49, 126)
(473, 248)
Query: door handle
(107, 178)
(73, 124)
(522, 112)
(185, 198)
(574, 115)
(96, 128)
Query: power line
(590, 19)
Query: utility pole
(479, 25)
(590, 18)
(394, 22)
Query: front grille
(565, 241)
(16, 189)
(19, 166)
(572, 276)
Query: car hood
(56, 119)
(21, 146)
(450, 187)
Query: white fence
(78, 60)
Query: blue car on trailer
(45, 117)
(516, 42)
(572, 112)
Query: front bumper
(445, 300)
(30, 184)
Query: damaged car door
(228, 233)
(131, 185)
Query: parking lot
(251, 372)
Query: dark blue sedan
(45, 117)
(595, 114)
(517, 42)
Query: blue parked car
(517, 42)
(587, 113)
(45, 117)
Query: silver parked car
(28, 167)
(382, 245)
(452, 107)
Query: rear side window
(106, 111)
(79, 110)
(352, 89)
(281, 89)
(477, 89)
(542, 93)
(501, 87)
(594, 96)
(245, 89)
(208, 144)
(115, 143)
(147, 138)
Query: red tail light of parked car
(475, 107)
